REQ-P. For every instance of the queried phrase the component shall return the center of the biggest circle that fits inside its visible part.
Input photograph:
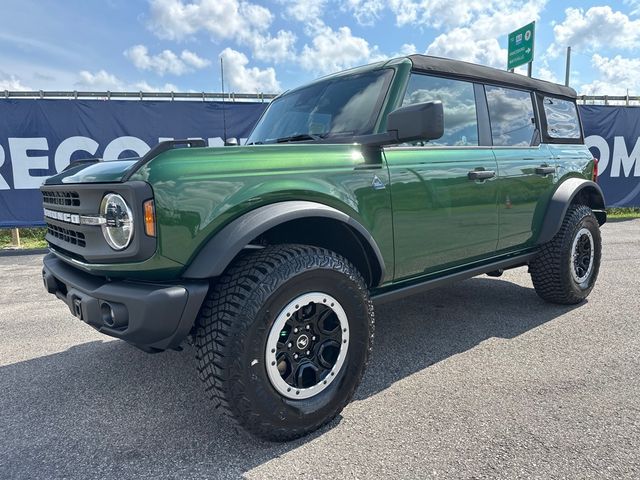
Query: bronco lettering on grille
(62, 216)
(74, 218)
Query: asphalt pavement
(477, 380)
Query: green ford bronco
(362, 187)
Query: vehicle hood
(192, 162)
(196, 164)
(94, 172)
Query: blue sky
(270, 46)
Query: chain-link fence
(170, 96)
(619, 100)
(616, 100)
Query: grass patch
(622, 213)
(30, 238)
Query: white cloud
(483, 24)
(242, 22)
(406, 49)
(458, 13)
(545, 73)
(462, 44)
(596, 28)
(474, 27)
(224, 19)
(100, 80)
(436, 13)
(333, 50)
(304, 10)
(11, 83)
(166, 61)
(193, 60)
(505, 17)
(447, 14)
(635, 6)
(274, 49)
(614, 76)
(241, 78)
(366, 12)
(257, 17)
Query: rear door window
(459, 104)
(562, 118)
(511, 116)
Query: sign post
(521, 46)
(15, 237)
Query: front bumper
(151, 316)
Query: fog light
(108, 315)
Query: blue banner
(38, 138)
(613, 135)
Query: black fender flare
(220, 250)
(562, 198)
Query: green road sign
(521, 46)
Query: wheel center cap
(302, 342)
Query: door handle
(481, 174)
(545, 170)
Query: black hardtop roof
(482, 73)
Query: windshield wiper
(299, 138)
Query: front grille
(62, 198)
(67, 235)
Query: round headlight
(118, 226)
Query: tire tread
(549, 280)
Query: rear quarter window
(562, 118)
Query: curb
(20, 251)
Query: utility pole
(224, 113)
(567, 72)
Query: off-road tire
(234, 323)
(551, 268)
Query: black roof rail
(161, 148)
(482, 73)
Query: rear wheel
(566, 268)
(283, 339)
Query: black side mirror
(420, 121)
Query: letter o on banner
(71, 145)
(122, 144)
(596, 141)
(3, 183)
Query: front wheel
(566, 268)
(283, 339)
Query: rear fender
(572, 190)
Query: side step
(402, 292)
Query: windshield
(340, 106)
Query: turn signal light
(595, 169)
(149, 218)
